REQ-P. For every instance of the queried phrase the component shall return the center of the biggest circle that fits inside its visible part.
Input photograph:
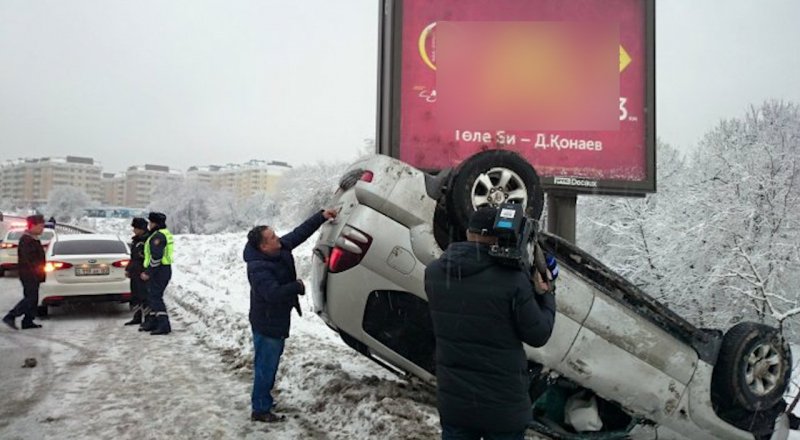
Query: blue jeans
(450, 432)
(265, 366)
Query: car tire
(489, 178)
(2, 273)
(42, 311)
(753, 368)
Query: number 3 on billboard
(623, 112)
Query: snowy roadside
(341, 393)
(326, 388)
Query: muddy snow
(96, 379)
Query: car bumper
(52, 292)
(54, 300)
(8, 261)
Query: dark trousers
(450, 432)
(138, 291)
(156, 286)
(27, 307)
(265, 366)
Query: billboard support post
(561, 215)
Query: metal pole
(561, 215)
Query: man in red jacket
(30, 255)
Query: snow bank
(346, 394)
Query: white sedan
(9, 243)
(85, 268)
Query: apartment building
(113, 189)
(142, 180)
(241, 180)
(29, 181)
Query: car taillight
(367, 176)
(351, 246)
(51, 266)
(121, 263)
(7, 245)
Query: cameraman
(482, 312)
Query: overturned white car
(647, 372)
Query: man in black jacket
(273, 293)
(482, 312)
(134, 271)
(30, 264)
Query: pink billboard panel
(564, 83)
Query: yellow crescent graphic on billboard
(624, 57)
(423, 52)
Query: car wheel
(490, 178)
(753, 368)
(42, 311)
(2, 273)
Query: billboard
(568, 84)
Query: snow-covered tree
(67, 203)
(257, 209)
(306, 189)
(747, 188)
(719, 240)
(189, 207)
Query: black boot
(149, 323)
(30, 324)
(137, 318)
(10, 321)
(162, 325)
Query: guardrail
(70, 229)
(60, 228)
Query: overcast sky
(195, 82)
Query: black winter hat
(139, 223)
(482, 221)
(157, 218)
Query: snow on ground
(98, 379)
(347, 395)
(119, 226)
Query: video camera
(516, 240)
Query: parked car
(10, 243)
(651, 373)
(85, 268)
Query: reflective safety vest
(166, 259)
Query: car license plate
(91, 271)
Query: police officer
(157, 273)
(134, 271)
